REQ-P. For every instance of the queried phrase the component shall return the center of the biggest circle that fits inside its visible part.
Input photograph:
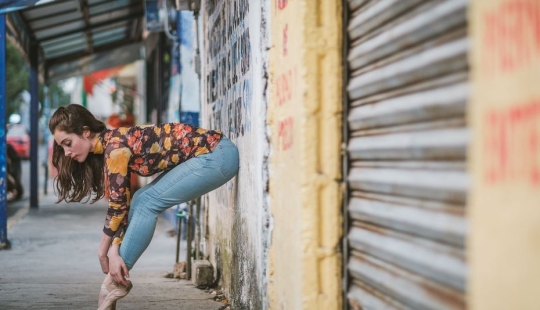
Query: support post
(34, 126)
(189, 238)
(46, 114)
(3, 159)
(177, 53)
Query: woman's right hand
(103, 252)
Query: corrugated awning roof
(76, 37)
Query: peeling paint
(305, 120)
(234, 82)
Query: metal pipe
(198, 229)
(189, 238)
(180, 216)
(3, 161)
(46, 107)
(178, 45)
(34, 125)
(166, 24)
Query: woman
(193, 162)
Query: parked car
(18, 137)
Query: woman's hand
(103, 251)
(104, 263)
(117, 267)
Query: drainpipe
(178, 45)
(196, 10)
(45, 162)
(3, 201)
(34, 126)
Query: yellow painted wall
(305, 117)
(504, 240)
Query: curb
(19, 215)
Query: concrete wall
(305, 171)
(288, 190)
(504, 157)
(234, 44)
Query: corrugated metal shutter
(408, 90)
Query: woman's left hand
(103, 251)
(117, 267)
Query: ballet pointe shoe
(111, 292)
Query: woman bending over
(192, 161)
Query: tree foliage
(18, 78)
(57, 96)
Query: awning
(77, 37)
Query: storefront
(408, 88)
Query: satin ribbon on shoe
(111, 292)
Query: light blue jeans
(189, 180)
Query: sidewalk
(53, 264)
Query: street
(17, 209)
(52, 263)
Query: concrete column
(305, 115)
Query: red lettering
(511, 37)
(284, 87)
(512, 144)
(285, 39)
(281, 4)
(285, 133)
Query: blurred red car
(19, 139)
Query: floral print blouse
(145, 150)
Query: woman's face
(76, 147)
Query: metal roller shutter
(408, 90)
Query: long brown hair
(75, 180)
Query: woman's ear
(86, 132)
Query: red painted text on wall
(281, 4)
(285, 133)
(512, 144)
(285, 30)
(511, 37)
(284, 86)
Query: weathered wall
(234, 101)
(305, 121)
(505, 155)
